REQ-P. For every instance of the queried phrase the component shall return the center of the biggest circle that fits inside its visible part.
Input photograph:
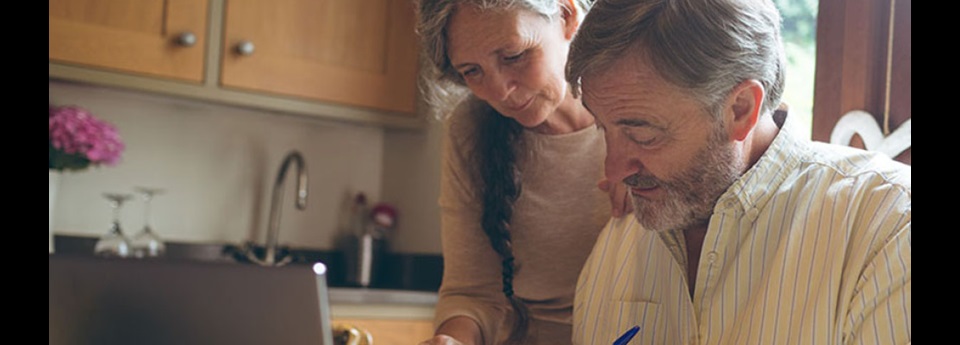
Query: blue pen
(625, 338)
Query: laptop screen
(118, 301)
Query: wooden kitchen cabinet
(392, 332)
(358, 52)
(351, 60)
(140, 36)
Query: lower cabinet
(391, 331)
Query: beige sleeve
(471, 284)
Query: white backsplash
(218, 164)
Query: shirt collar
(755, 187)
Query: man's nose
(619, 163)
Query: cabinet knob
(245, 48)
(187, 39)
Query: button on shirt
(810, 246)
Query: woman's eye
(513, 57)
(469, 73)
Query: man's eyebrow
(634, 123)
(623, 122)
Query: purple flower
(78, 140)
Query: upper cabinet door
(160, 38)
(355, 52)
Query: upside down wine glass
(114, 243)
(147, 244)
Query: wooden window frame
(862, 65)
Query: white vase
(54, 186)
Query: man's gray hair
(705, 46)
(440, 84)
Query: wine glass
(114, 243)
(147, 244)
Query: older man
(744, 233)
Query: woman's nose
(498, 86)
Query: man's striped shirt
(810, 246)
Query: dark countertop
(401, 278)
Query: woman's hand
(441, 339)
(461, 327)
(620, 203)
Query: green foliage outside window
(799, 32)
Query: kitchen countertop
(365, 303)
(381, 296)
(402, 291)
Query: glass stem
(146, 216)
(116, 216)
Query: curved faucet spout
(273, 232)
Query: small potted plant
(78, 140)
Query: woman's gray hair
(705, 46)
(440, 85)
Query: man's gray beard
(691, 196)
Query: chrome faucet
(273, 231)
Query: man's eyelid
(645, 142)
(649, 132)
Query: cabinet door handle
(245, 48)
(187, 39)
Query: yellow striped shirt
(809, 246)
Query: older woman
(521, 207)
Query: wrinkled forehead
(471, 29)
(626, 84)
(622, 67)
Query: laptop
(153, 302)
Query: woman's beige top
(556, 221)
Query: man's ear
(568, 12)
(744, 106)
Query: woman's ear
(744, 105)
(569, 17)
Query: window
(799, 33)
(863, 63)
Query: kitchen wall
(218, 164)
